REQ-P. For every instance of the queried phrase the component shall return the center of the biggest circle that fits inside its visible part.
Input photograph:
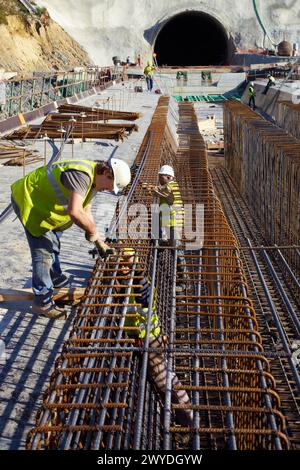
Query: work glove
(148, 187)
(103, 249)
(92, 237)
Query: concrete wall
(106, 28)
(280, 92)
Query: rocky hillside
(35, 43)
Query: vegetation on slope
(11, 7)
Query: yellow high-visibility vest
(43, 200)
(172, 216)
(139, 321)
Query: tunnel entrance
(192, 38)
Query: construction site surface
(231, 335)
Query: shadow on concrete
(19, 371)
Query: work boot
(60, 303)
(61, 281)
(183, 441)
(179, 288)
(49, 310)
(187, 288)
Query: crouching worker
(48, 201)
(139, 304)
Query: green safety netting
(206, 98)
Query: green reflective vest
(172, 216)
(251, 91)
(139, 321)
(43, 200)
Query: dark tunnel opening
(192, 38)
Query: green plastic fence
(206, 98)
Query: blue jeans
(149, 82)
(45, 262)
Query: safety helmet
(128, 253)
(251, 83)
(166, 170)
(122, 175)
(269, 75)
(149, 62)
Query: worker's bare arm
(160, 191)
(79, 215)
(165, 192)
(88, 211)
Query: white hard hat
(122, 175)
(251, 83)
(166, 170)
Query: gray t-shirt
(76, 181)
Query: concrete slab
(282, 91)
(220, 83)
(210, 113)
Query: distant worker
(138, 60)
(47, 201)
(149, 72)
(251, 95)
(295, 50)
(271, 82)
(171, 215)
(45, 17)
(128, 60)
(136, 325)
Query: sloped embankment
(27, 45)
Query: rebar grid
(100, 396)
(263, 161)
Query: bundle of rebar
(100, 396)
(264, 162)
(15, 155)
(91, 121)
(99, 113)
(82, 126)
(79, 131)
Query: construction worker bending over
(271, 82)
(47, 202)
(251, 95)
(149, 72)
(157, 364)
(171, 215)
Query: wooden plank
(15, 295)
(215, 145)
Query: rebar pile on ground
(287, 115)
(264, 162)
(54, 132)
(82, 126)
(99, 395)
(98, 113)
(15, 155)
(90, 120)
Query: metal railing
(29, 93)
